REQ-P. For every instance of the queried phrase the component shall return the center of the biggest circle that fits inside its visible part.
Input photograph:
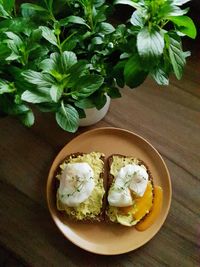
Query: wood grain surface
(168, 117)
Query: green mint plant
(64, 56)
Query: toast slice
(141, 206)
(92, 209)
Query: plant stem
(67, 39)
(25, 59)
(50, 11)
(164, 23)
(90, 17)
(14, 10)
(59, 44)
(66, 94)
(62, 105)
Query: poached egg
(76, 183)
(131, 178)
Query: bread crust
(101, 216)
(111, 179)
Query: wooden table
(168, 117)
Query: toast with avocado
(123, 195)
(81, 189)
(130, 190)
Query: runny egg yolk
(142, 204)
(156, 209)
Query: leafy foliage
(67, 118)
(63, 56)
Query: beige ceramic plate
(102, 238)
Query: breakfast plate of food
(109, 191)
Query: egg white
(76, 184)
(131, 177)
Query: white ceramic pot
(94, 115)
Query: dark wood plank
(7, 259)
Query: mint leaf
(33, 7)
(106, 28)
(3, 12)
(56, 92)
(160, 76)
(17, 25)
(69, 43)
(16, 46)
(133, 72)
(177, 56)
(18, 109)
(52, 63)
(49, 4)
(118, 73)
(8, 106)
(12, 56)
(101, 13)
(114, 92)
(164, 10)
(6, 87)
(84, 103)
(8, 5)
(99, 100)
(97, 40)
(27, 118)
(127, 2)
(150, 44)
(14, 37)
(77, 69)
(48, 107)
(81, 113)
(185, 25)
(59, 63)
(137, 18)
(73, 19)
(38, 53)
(35, 35)
(68, 60)
(35, 97)
(67, 118)
(49, 35)
(14, 42)
(177, 11)
(38, 78)
(87, 85)
(4, 51)
(180, 2)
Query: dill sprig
(77, 188)
(126, 184)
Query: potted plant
(66, 56)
